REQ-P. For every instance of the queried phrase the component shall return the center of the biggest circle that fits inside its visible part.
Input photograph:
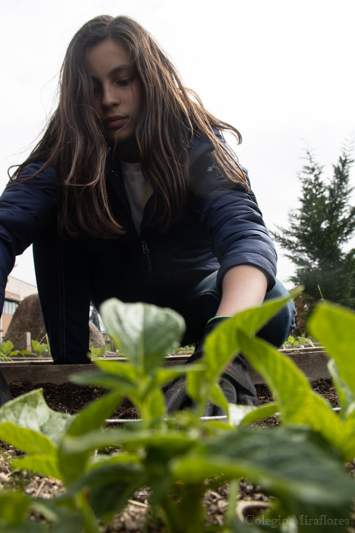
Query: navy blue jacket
(221, 227)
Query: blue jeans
(202, 303)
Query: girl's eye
(125, 82)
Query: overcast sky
(281, 71)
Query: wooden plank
(312, 363)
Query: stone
(28, 318)
(95, 336)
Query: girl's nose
(110, 96)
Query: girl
(133, 193)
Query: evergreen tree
(319, 229)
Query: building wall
(15, 291)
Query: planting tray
(311, 360)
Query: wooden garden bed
(311, 360)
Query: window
(10, 307)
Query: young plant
(297, 403)
(39, 348)
(175, 455)
(6, 350)
(298, 341)
(95, 351)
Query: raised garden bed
(311, 360)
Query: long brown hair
(75, 143)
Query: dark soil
(71, 398)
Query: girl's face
(117, 90)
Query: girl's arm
(26, 209)
(243, 286)
(233, 222)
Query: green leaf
(119, 368)
(106, 380)
(13, 507)
(296, 465)
(333, 326)
(155, 405)
(241, 415)
(236, 526)
(27, 440)
(222, 345)
(120, 457)
(296, 400)
(92, 417)
(62, 520)
(348, 441)
(345, 394)
(6, 347)
(110, 486)
(173, 442)
(259, 413)
(26, 527)
(144, 333)
(197, 385)
(31, 411)
(39, 348)
(41, 464)
(216, 396)
(163, 376)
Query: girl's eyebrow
(116, 70)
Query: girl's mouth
(115, 121)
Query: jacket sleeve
(26, 208)
(233, 221)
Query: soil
(70, 398)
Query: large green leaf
(42, 464)
(294, 464)
(333, 326)
(164, 375)
(110, 485)
(112, 375)
(223, 345)
(345, 394)
(27, 440)
(297, 402)
(106, 380)
(172, 442)
(25, 527)
(90, 418)
(155, 406)
(93, 416)
(13, 507)
(31, 411)
(62, 520)
(144, 333)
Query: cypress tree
(319, 231)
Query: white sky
(281, 71)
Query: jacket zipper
(126, 202)
(146, 253)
